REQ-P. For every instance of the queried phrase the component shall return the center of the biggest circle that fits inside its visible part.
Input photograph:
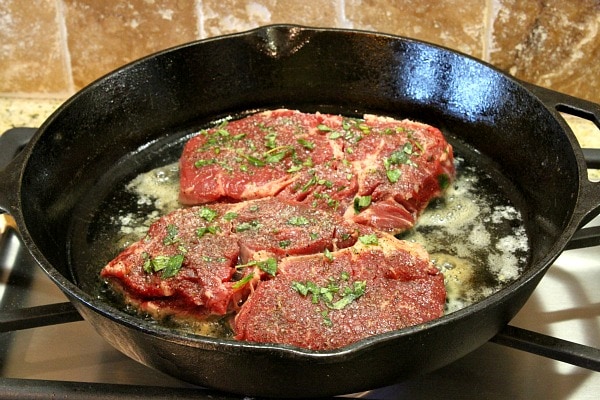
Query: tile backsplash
(52, 48)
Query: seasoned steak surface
(323, 303)
(192, 258)
(376, 171)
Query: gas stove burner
(43, 349)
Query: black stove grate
(14, 318)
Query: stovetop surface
(566, 305)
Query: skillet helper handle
(588, 205)
(567, 104)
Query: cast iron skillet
(139, 116)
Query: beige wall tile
(457, 24)
(32, 55)
(552, 43)
(53, 47)
(104, 35)
(228, 16)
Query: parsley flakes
(336, 294)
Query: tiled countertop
(16, 112)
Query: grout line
(199, 20)
(341, 15)
(489, 16)
(62, 28)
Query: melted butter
(474, 236)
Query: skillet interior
(143, 111)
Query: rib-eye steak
(204, 259)
(378, 285)
(377, 171)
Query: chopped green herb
(324, 182)
(169, 265)
(285, 243)
(207, 214)
(257, 162)
(361, 202)
(364, 128)
(443, 181)
(246, 226)
(222, 132)
(298, 220)
(393, 175)
(200, 232)
(311, 182)
(350, 294)
(401, 156)
(330, 201)
(328, 255)
(230, 216)
(204, 163)
(271, 140)
(335, 295)
(369, 239)
(324, 128)
(242, 282)
(420, 147)
(147, 266)
(326, 318)
(306, 144)
(277, 154)
(335, 135)
(398, 157)
(172, 232)
(269, 265)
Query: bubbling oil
(474, 234)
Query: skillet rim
(349, 351)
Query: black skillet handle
(12, 143)
(567, 104)
(588, 205)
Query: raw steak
(376, 171)
(286, 272)
(323, 303)
(191, 260)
